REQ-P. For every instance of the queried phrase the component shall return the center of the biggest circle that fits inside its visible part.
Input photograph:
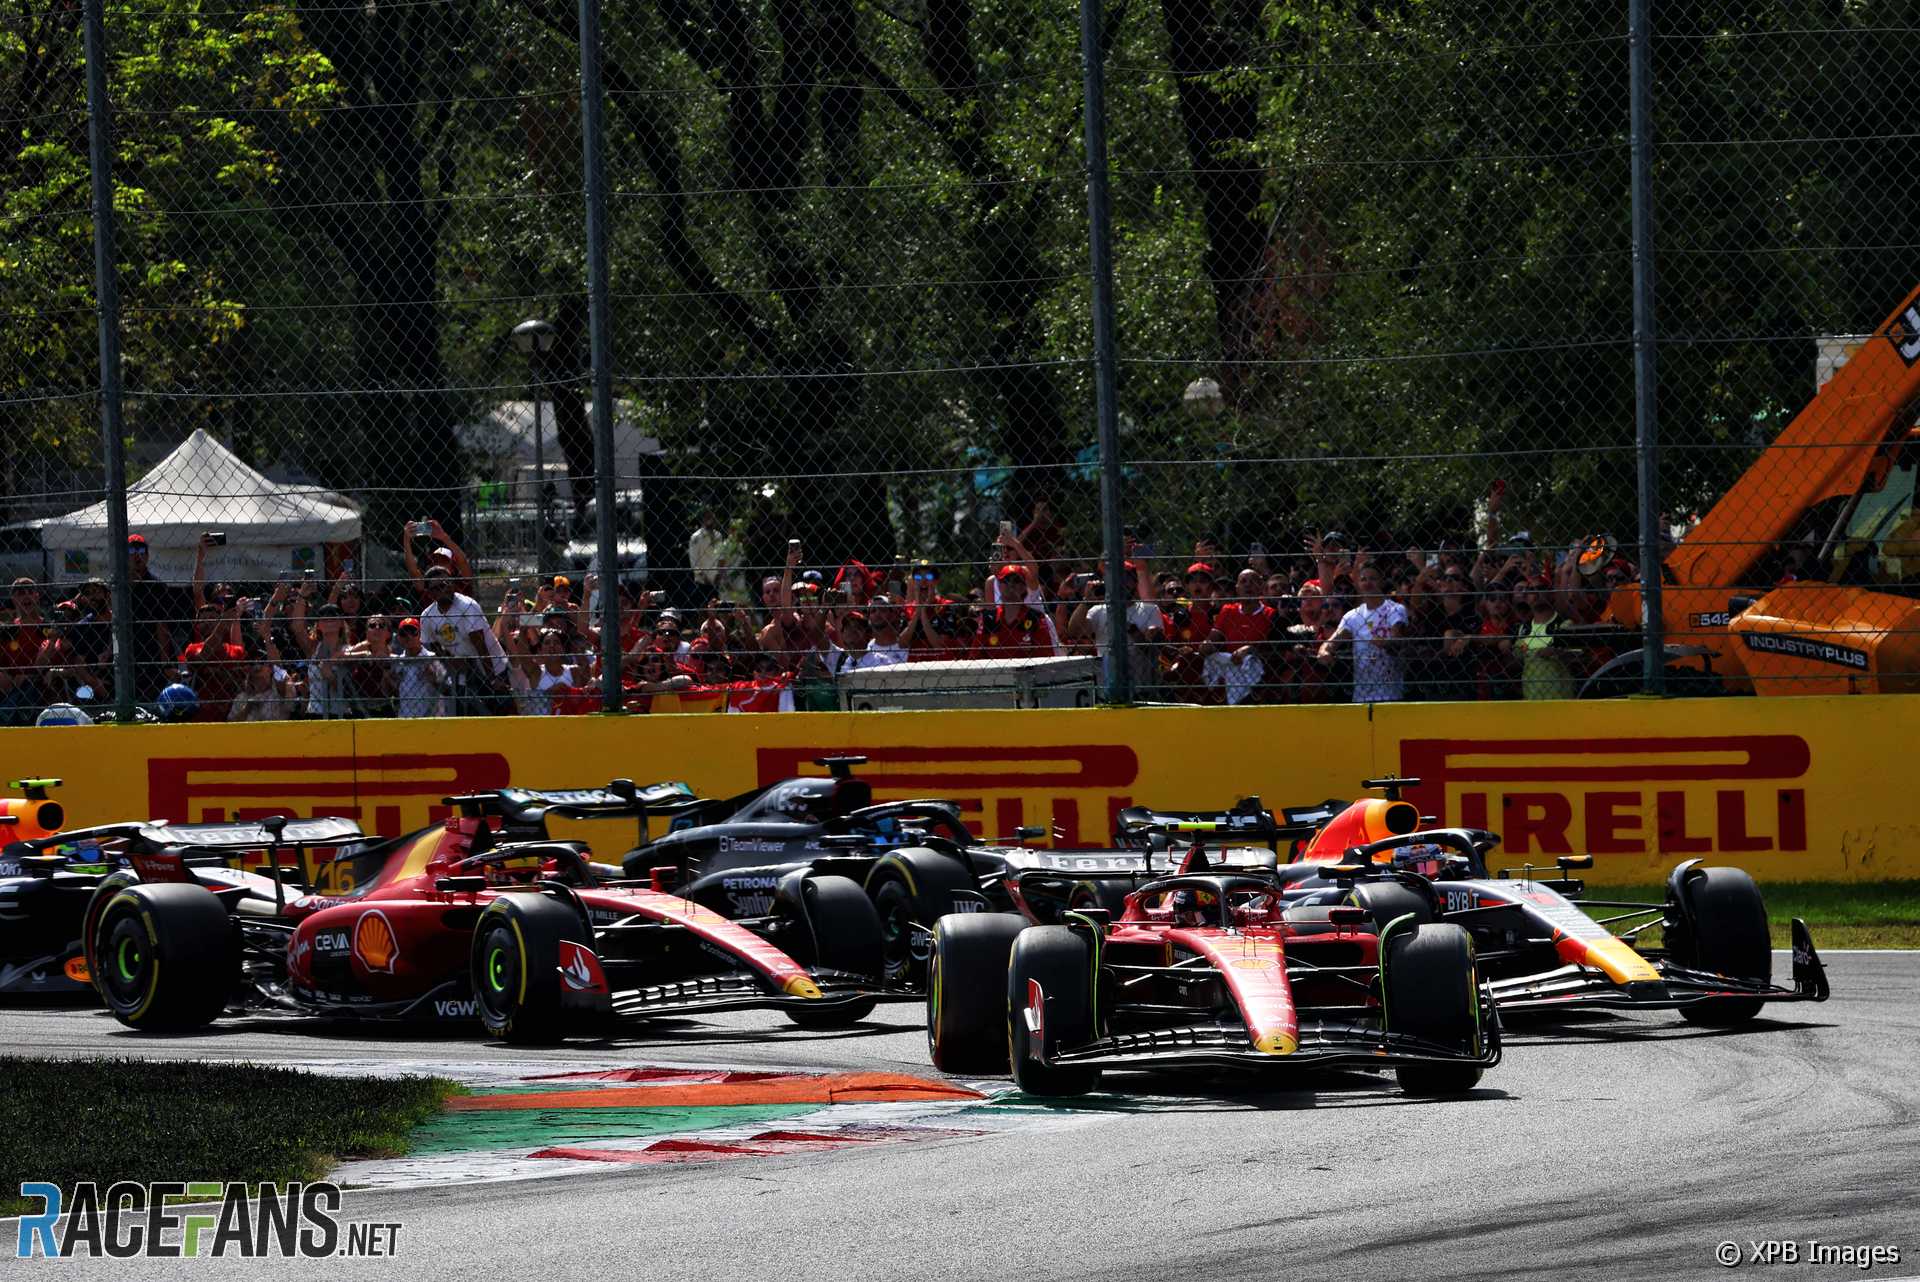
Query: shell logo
(77, 971)
(375, 943)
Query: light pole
(535, 339)
(1203, 398)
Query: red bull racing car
(1535, 938)
(44, 888)
(453, 923)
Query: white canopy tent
(502, 444)
(203, 486)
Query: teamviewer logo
(150, 1221)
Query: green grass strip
(536, 1127)
(1841, 914)
(151, 1120)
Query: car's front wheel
(1722, 928)
(515, 967)
(1050, 1008)
(967, 990)
(1432, 991)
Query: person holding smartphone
(446, 554)
(457, 629)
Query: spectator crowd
(1487, 617)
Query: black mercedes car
(916, 859)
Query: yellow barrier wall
(1791, 789)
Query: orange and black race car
(1534, 931)
(44, 887)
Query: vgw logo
(129, 1220)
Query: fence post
(107, 305)
(593, 158)
(1646, 405)
(1119, 675)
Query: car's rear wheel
(966, 991)
(166, 958)
(1725, 932)
(515, 967)
(1432, 991)
(1110, 895)
(846, 937)
(1050, 973)
(912, 888)
(1387, 901)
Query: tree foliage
(849, 247)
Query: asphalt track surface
(1620, 1147)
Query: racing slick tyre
(846, 936)
(1385, 901)
(166, 953)
(1432, 991)
(908, 887)
(1724, 931)
(966, 987)
(1060, 961)
(1109, 895)
(516, 966)
(103, 892)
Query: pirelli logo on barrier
(1665, 796)
(386, 794)
(1073, 790)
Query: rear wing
(158, 834)
(1246, 822)
(286, 834)
(619, 799)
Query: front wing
(705, 994)
(1322, 1045)
(1678, 987)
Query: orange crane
(1805, 577)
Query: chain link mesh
(1374, 282)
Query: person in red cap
(1011, 554)
(857, 581)
(1015, 630)
(419, 678)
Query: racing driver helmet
(1426, 858)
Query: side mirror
(623, 789)
(1029, 833)
(1569, 862)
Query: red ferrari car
(1210, 967)
(449, 923)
